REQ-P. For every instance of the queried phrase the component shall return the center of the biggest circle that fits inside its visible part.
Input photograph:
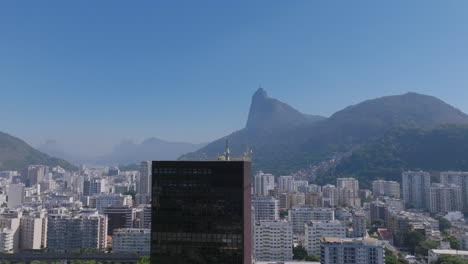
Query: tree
(390, 258)
(144, 260)
(312, 257)
(283, 214)
(444, 224)
(454, 244)
(299, 253)
(450, 260)
(412, 239)
(131, 192)
(424, 246)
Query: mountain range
(15, 154)
(283, 140)
(126, 152)
(376, 138)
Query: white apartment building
(33, 231)
(11, 220)
(103, 200)
(6, 240)
(273, 241)
(265, 208)
(263, 182)
(301, 215)
(348, 183)
(386, 188)
(315, 230)
(69, 232)
(445, 198)
(15, 195)
(459, 178)
(286, 183)
(330, 195)
(128, 240)
(416, 188)
(356, 251)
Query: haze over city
(91, 74)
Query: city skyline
(79, 74)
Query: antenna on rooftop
(227, 152)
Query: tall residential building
(301, 215)
(348, 183)
(144, 184)
(445, 198)
(6, 240)
(284, 201)
(378, 210)
(314, 199)
(356, 251)
(15, 195)
(301, 186)
(316, 230)
(348, 198)
(118, 217)
(286, 183)
(416, 188)
(11, 221)
(70, 232)
(265, 208)
(263, 183)
(35, 174)
(330, 195)
(359, 225)
(129, 240)
(296, 199)
(459, 178)
(273, 241)
(201, 212)
(33, 231)
(93, 187)
(386, 188)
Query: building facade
(273, 241)
(315, 230)
(356, 251)
(415, 188)
(201, 212)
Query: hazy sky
(91, 73)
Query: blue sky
(91, 73)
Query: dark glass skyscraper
(201, 212)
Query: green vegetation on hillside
(437, 149)
(16, 154)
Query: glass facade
(201, 212)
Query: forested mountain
(283, 140)
(16, 154)
(434, 149)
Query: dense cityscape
(233, 132)
(101, 212)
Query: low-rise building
(356, 251)
(273, 241)
(128, 240)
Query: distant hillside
(16, 154)
(437, 149)
(283, 140)
(128, 152)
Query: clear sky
(91, 73)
